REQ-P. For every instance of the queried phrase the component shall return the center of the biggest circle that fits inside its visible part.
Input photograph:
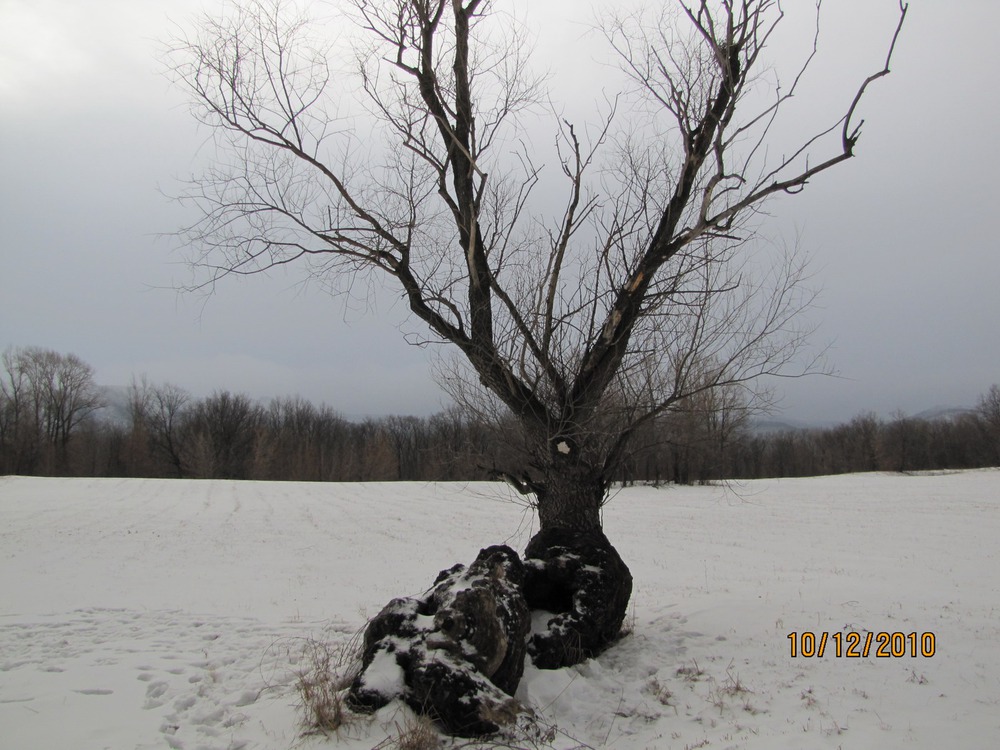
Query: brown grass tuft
(321, 686)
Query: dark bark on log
(456, 653)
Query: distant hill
(779, 425)
(115, 409)
(944, 412)
(775, 426)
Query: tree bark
(455, 653)
(578, 578)
(572, 571)
(570, 495)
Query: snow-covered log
(455, 653)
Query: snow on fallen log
(456, 653)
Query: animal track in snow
(197, 680)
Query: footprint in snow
(154, 692)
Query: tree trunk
(571, 496)
(572, 572)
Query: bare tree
(156, 415)
(581, 326)
(48, 396)
(222, 432)
(19, 443)
(988, 411)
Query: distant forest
(55, 421)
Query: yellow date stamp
(854, 645)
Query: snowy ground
(153, 614)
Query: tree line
(56, 421)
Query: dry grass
(417, 733)
(322, 684)
(412, 731)
(661, 692)
(732, 688)
(692, 673)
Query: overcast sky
(903, 237)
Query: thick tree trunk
(570, 497)
(572, 572)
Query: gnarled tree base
(579, 577)
(457, 653)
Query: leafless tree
(988, 411)
(221, 432)
(989, 407)
(582, 325)
(18, 428)
(46, 396)
(156, 416)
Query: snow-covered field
(153, 614)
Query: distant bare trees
(157, 425)
(989, 407)
(988, 411)
(302, 440)
(163, 431)
(44, 398)
(168, 433)
(869, 443)
(222, 434)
